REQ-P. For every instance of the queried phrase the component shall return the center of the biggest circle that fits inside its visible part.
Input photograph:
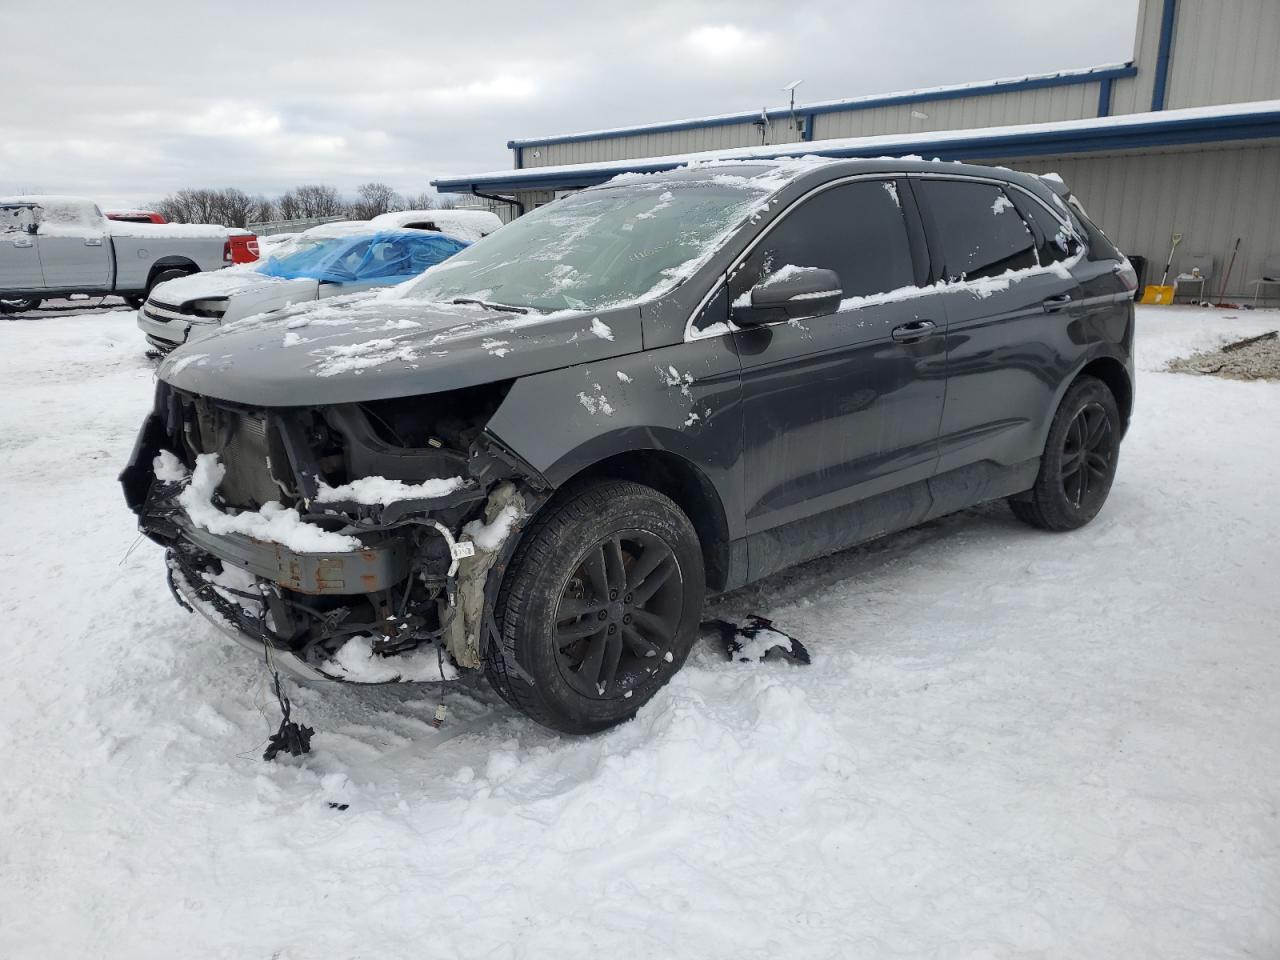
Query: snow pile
(601, 329)
(168, 468)
(380, 490)
(355, 661)
(274, 522)
(490, 536)
(466, 225)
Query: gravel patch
(1256, 358)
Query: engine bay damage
(348, 542)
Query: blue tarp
(390, 256)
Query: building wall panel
(1209, 196)
(1226, 51)
(1074, 102)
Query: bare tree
(264, 209)
(317, 200)
(421, 201)
(428, 200)
(374, 199)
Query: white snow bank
(380, 490)
(274, 522)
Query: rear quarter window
(980, 230)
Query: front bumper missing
(378, 566)
(282, 660)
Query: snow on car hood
(355, 348)
(225, 283)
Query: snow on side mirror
(789, 293)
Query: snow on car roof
(467, 225)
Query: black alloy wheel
(1079, 461)
(618, 614)
(598, 607)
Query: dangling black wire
(291, 738)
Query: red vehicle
(135, 216)
(242, 246)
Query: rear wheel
(172, 273)
(19, 305)
(599, 607)
(1079, 461)
(135, 302)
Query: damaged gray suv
(537, 458)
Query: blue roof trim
(1155, 133)
(1168, 20)
(841, 106)
(1104, 101)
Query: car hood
(360, 347)
(229, 282)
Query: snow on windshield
(629, 240)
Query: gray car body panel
(359, 347)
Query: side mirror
(32, 227)
(790, 293)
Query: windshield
(601, 247)
(389, 256)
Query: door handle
(21, 242)
(911, 332)
(93, 241)
(1054, 304)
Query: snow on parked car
(341, 257)
(53, 246)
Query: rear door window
(981, 231)
(856, 229)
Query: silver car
(325, 261)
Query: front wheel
(599, 608)
(1079, 461)
(20, 305)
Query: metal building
(1184, 138)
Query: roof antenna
(762, 122)
(797, 125)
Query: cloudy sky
(128, 100)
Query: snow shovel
(1162, 295)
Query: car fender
(682, 400)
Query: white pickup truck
(58, 246)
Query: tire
(169, 273)
(1079, 461)
(599, 607)
(19, 305)
(135, 302)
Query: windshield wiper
(504, 307)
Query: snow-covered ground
(1009, 743)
